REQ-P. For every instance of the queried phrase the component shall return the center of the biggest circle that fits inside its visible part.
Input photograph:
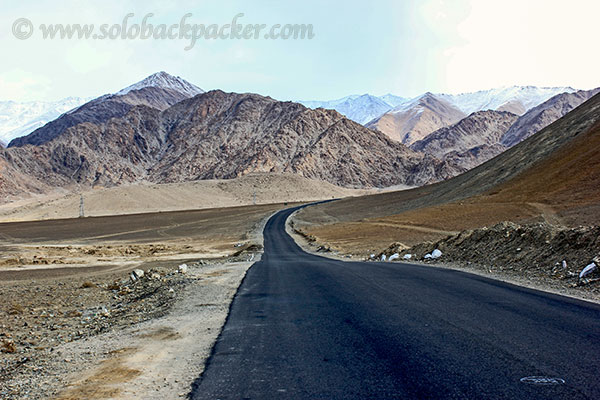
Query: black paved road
(306, 327)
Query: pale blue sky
(378, 46)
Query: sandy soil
(148, 198)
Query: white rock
(372, 256)
(394, 256)
(587, 270)
(564, 264)
(136, 274)
(436, 253)
(183, 268)
(427, 256)
(407, 256)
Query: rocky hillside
(413, 121)
(544, 114)
(158, 91)
(215, 135)
(471, 141)
(564, 154)
(486, 134)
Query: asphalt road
(307, 327)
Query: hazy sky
(402, 47)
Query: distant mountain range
(156, 131)
(516, 99)
(558, 165)
(359, 108)
(544, 114)
(443, 125)
(20, 119)
(165, 129)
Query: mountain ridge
(218, 135)
(516, 99)
(414, 120)
(159, 90)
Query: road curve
(307, 327)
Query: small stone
(136, 274)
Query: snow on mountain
(393, 100)
(503, 97)
(359, 108)
(544, 114)
(20, 118)
(327, 104)
(363, 109)
(165, 81)
(516, 99)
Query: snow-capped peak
(527, 96)
(164, 80)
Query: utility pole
(81, 211)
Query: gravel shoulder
(158, 359)
(147, 339)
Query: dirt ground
(125, 340)
(103, 245)
(65, 283)
(151, 198)
(371, 235)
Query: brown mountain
(471, 141)
(554, 174)
(544, 114)
(217, 135)
(415, 120)
(159, 91)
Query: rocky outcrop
(479, 128)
